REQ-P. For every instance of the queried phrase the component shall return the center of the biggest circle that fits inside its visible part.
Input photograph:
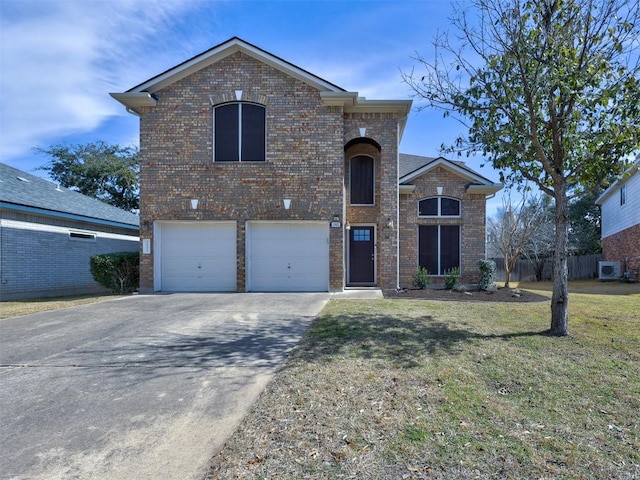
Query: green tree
(584, 229)
(549, 91)
(107, 172)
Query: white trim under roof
(222, 51)
(452, 167)
(635, 167)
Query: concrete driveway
(143, 387)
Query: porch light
(194, 204)
(347, 225)
(286, 203)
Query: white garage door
(196, 257)
(288, 257)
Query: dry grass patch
(415, 389)
(18, 308)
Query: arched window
(239, 132)
(439, 207)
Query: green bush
(451, 277)
(487, 275)
(119, 272)
(421, 279)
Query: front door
(362, 256)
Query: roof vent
(58, 189)
(22, 179)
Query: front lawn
(414, 389)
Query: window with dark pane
(439, 248)
(227, 132)
(449, 207)
(362, 180)
(253, 133)
(428, 207)
(449, 247)
(428, 248)
(239, 133)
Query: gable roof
(25, 192)
(634, 169)
(142, 95)
(414, 166)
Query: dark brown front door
(361, 256)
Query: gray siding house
(48, 234)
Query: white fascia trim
(135, 100)
(452, 167)
(407, 189)
(212, 56)
(484, 189)
(614, 186)
(354, 104)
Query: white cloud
(59, 60)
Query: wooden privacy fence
(580, 267)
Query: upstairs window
(439, 207)
(239, 133)
(362, 180)
(623, 194)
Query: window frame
(441, 270)
(373, 181)
(439, 199)
(239, 131)
(623, 195)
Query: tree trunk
(507, 276)
(560, 297)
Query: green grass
(422, 389)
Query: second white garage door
(288, 257)
(196, 257)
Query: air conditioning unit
(608, 270)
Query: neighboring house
(620, 205)
(48, 234)
(257, 175)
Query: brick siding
(40, 259)
(623, 246)
(471, 221)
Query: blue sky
(59, 60)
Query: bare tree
(511, 230)
(539, 248)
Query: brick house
(49, 233)
(620, 205)
(257, 175)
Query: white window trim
(213, 144)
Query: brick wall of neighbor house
(383, 129)
(623, 245)
(40, 259)
(304, 148)
(472, 221)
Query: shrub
(119, 272)
(487, 275)
(421, 279)
(451, 278)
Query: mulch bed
(512, 295)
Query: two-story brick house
(257, 175)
